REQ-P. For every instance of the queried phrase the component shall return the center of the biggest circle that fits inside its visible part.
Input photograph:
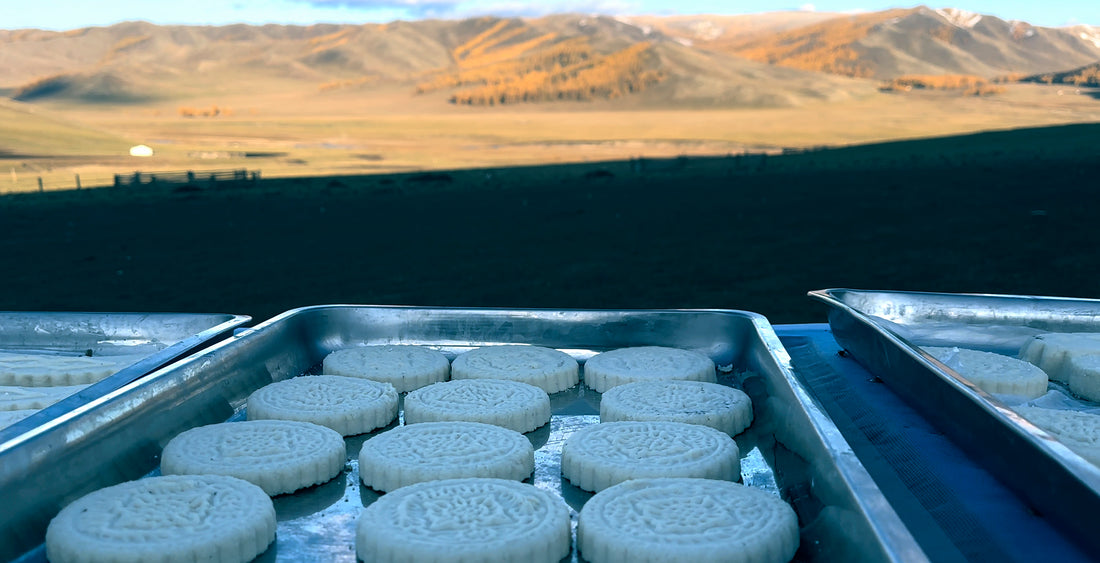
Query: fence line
(38, 181)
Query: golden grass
(123, 44)
(825, 46)
(470, 58)
(25, 129)
(350, 83)
(349, 135)
(969, 85)
(508, 52)
(1088, 76)
(464, 49)
(567, 70)
(592, 76)
(553, 57)
(324, 41)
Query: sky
(70, 14)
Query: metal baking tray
(792, 449)
(152, 340)
(883, 330)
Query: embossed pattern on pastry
(545, 368)
(32, 370)
(646, 363)
(993, 373)
(470, 520)
(7, 418)
(509, 404)
(404, 367)
(444, 450)
(348, 405)
(1078, 431)
(169, 519)
(17, 397)
(1083, 375)
(1052, 351)
(694, 402)
(599, 456)
(686, 520)
(280, 456)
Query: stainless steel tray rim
(831, 292)
(834, 297)
(1074, 466)
(52, 416)
(901, 546)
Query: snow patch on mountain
(960, 18)
(706, 31)
(1089, 33)
(645, 29)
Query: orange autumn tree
(969, 85)
(509, 63)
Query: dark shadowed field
(1012, 212)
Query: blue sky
(68, 14)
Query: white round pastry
(510, 404)
(15, 397)
(467, 520)
(993, 373)
(599, 456)
(1078, 431)
(404, 367)
(1050, 351)
(280, 456)
(545, 368)
(1084, 376)
(444, 450)
(7, 418)
(646, 363)
(686, 520)
(170, 519)
(694, 402)
(33, 370)
(348, 405)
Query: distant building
(141, 150)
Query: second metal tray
(792, 449)
(884, 331)
(148, 341)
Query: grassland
(339, 133)
(1009, 212)
(373, 193)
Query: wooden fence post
(40, 188)
(78, 181)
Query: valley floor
(1010, 212)
(301, 135)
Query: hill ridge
(771, 59)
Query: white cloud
(807, 8)
(533, 9)
(417, 7)
(467, 8)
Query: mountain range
(773, 59)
